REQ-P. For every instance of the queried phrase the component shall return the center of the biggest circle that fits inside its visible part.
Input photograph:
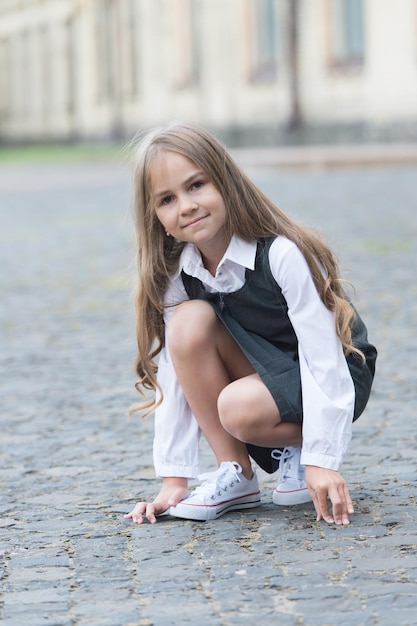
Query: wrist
(174, 481)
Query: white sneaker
(224, 490)
(292, 487)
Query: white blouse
(327, 387)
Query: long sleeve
(177, 434)
(327, 386)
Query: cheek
(154, 219)
(157, 214)
(163, 218)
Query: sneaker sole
(206, 512)
(285, 498)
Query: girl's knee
(190, 326)
(234, 415)
(247, 410)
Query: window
(265, 48)
(5, 78)
(195, 40)
(134, 47)
(105, 52)
(71, 63)
(186, 42)
(347, 32)
(45, 65)
(20, 87)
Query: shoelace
(284, 456)
(220, 480)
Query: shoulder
(282, 248)
(287, 262)
(174, 292)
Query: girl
(259, 348)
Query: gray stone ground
(72, 462)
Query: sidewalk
(346, 155)
(72, 462)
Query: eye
(166, 200)
(197, 184)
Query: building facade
(74, 69)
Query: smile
(197, 220)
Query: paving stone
(72, 462)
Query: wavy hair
(249, 214)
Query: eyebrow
(186, 182)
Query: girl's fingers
(136, 515)
(347, 505)
(316, 504)
(146, 510)
(338, 508)
(150, 513)
(325, 485)
(323, 505)
(342, 505)
(349, 502)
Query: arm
(177, 434)
(175, 446)
(327, 387)
(173, 490)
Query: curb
(348, 155)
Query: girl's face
(187, 204)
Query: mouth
(195, 221)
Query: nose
(187, 204)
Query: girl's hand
(323, 484)
(173, 490)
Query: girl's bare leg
(248, 411)
(208, 363)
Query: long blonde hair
(249, 214)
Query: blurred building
(257, 68)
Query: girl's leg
(206, 358)
(248, 411)
(227, 397)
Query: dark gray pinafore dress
(256, 315)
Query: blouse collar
(240, 252)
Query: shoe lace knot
(215, 483)
(289, 462)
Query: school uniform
(265, 295)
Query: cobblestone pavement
(72, 462)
